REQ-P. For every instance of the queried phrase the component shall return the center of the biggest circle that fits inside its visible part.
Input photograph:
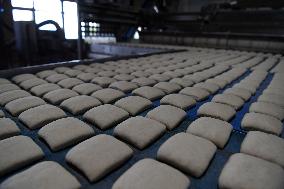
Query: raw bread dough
(243, 93)
(103, 81)
(151, 174)
(186, 152)
(98, 156)
(197, 93)
(57, 96)
(17, 152)
(56, 78)
(79, 104)
(8, 87)
(44, 74)
(134, 104)
(41, 90)
(124, 86)
(268, 108)
(265, 146)
(65, 132)
(178, 100)
(229, 99)
(17, 106)
(215, 130)
(44, 175)
(262, 122)
(168, 87)
(9, 96)
(139, 131)
(39, 116)
(86, 88)
(150, 93)
(210, 87)
(108, 95)
(182, 82)
(28, 84)
(22, 77)
(244, 171)
(144, 81)
(216, 110)
(168, 115)
(70, 82)
(106, 116)
(8, 128)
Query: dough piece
(250, 88)
(86, 88)
(12, 95)
(107, 73)
(210, 87)
(57, 96)
(197, 93)
(17, 152)
(41, 90)
(103, 81)
(28, 84)
(4, 81)
(151, 174)
(242, 93)
(215, 130)
(172, 74)
(245, 171)
(44, 74)
(160, 77)
(268, 109)
(262, 122)
(182, 82)
(17, 106)
(217, 110)
(79, 104)
(272, 98)
(87, 77)
(139, 131)
(141, 74)
(220, 82)
(168, 115)
(8, 128)
(62, 69)
(183, 151)
(65, 132)
(124, 77)
(229, 99)
(8, 87)
(70, 82)
(39, 116)
(168, 87)
(178, 100)
(108, 95)
(22, 77)
(124, 86)
(106, 116)
(98, 156)
(143, 81)
(43, 175)
(134, 104)
(150, 93)
(2, 114)
(265, 146)
(124, 70)
(56, 78)
(72, 72)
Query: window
(70, 20)
(48, 10)
(22, 15)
